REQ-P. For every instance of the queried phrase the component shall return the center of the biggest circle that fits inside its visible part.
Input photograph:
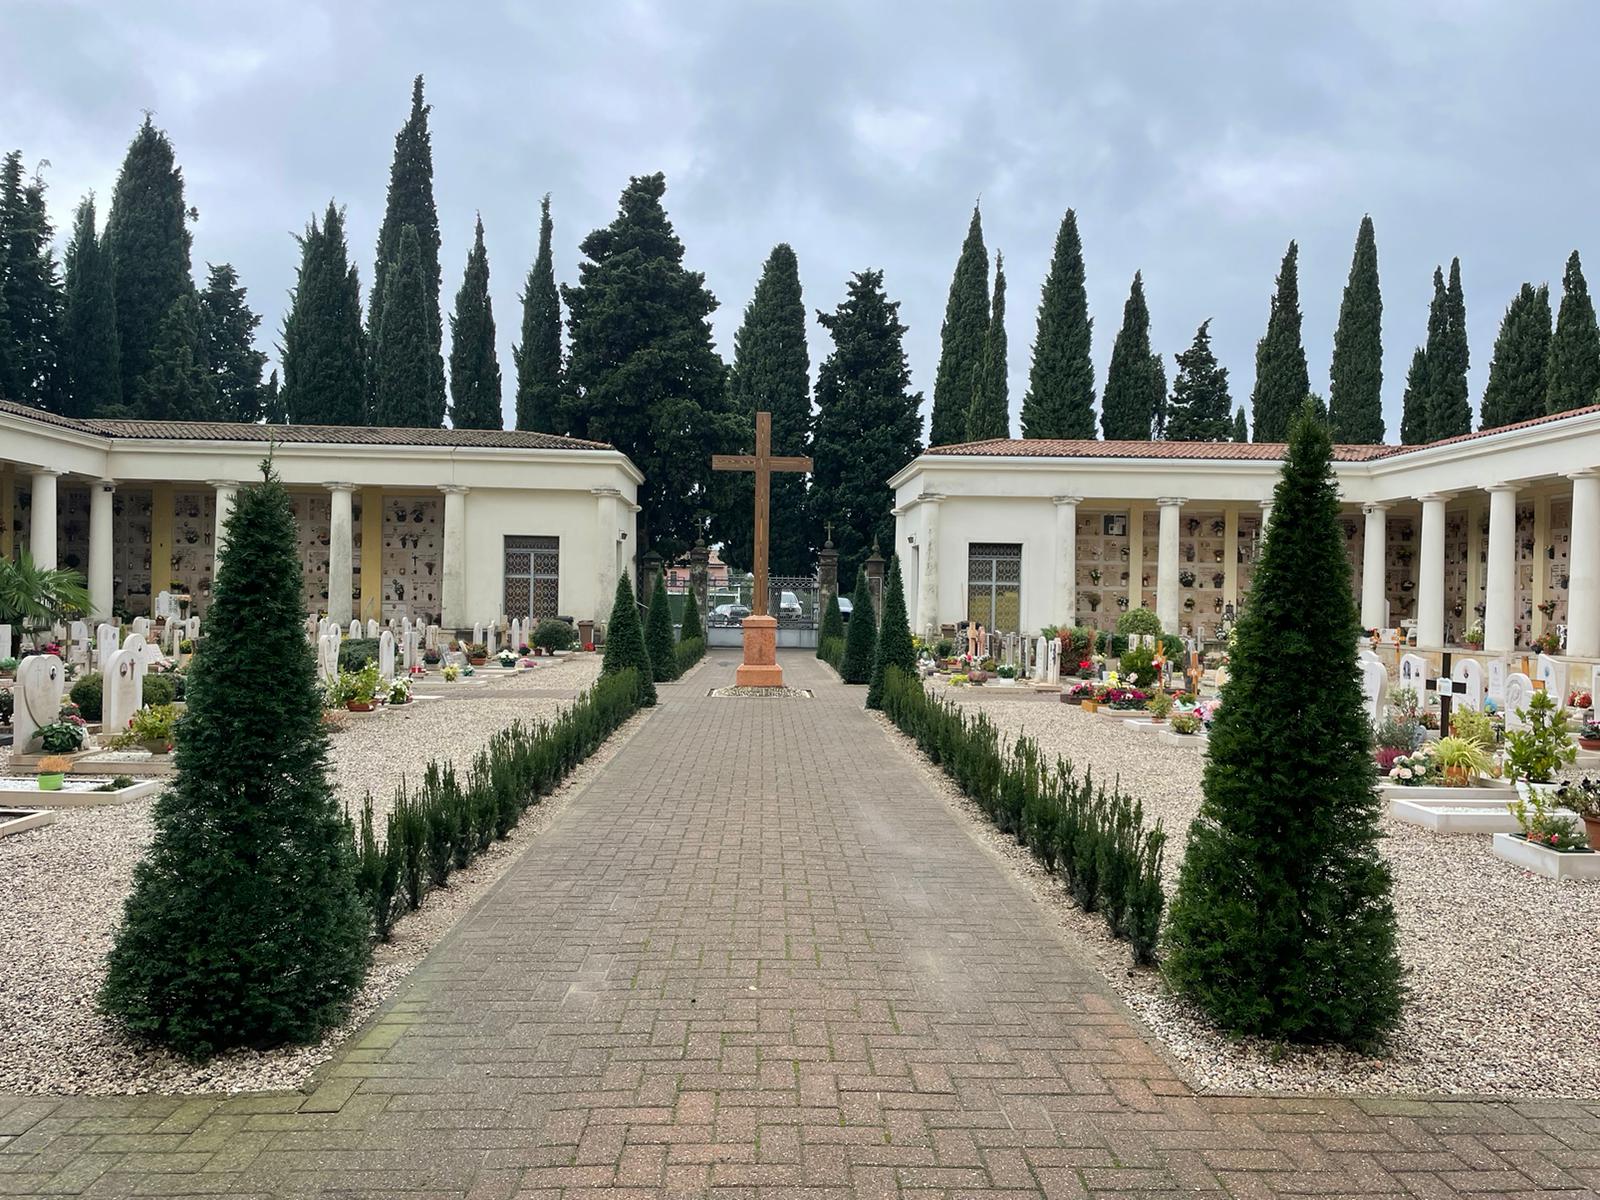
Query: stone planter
(1553, 864)
(157, 746)
(360, 706)
(1090, 706)
(479, 661)
(1451, 814)
(1591, 826)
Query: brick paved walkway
(757, 955)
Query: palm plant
(34, 597)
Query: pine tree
(894, 648)
(324, 351)
(642, 373)
(1201, 407)
(474, 368)
(272, 409)
(771, 371)
(1282, 381)
(1517, 386)
(404, 361)
(1059, 402)
(1572, 374)
(1158, 396)
(1241, 427)
(691, 627)
(867, 422)
(147, 243)
(1449, 410)
(30, 283)
(176, 386)
(1355, 395)
(1129, 404)
(1284, 929)
(538, 357)
(658, 639)
(625, 649)
(961, 339)
(90, 355)
(861, 634)
(244, 927)
(1414, 403)
(227, 346)
(989, 415)
(410, 202)
(832, 626)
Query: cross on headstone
(763, 462)
(1447, 689)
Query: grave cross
(1447, 689)
(763, 462)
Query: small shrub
(1139, 621)
(831, 651)
(158, 689)
(554, 634)
(356, 653)
(88, 694)
(689, 652)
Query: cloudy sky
(1194, 141)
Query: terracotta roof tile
(1206, 451)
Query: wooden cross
(763, 462)
(1447, 689)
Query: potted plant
(61, 737)
(1185, 723)
(1583, 798)
(359, 689)
(450, 673)
(1543, 827)
(53, 770)
(977, 676)
(400, 691)
(1536, 753)
(152, 727)
(1473, 637)
(477, 654)
(507, 659)
(431, 657)
(1159, 706)
(1462, 760)
(1006, 672)
(1589, 735)
(1416, 769)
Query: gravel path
(1502, 964)
(62, 889)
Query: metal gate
(793, 599)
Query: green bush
(356, 653)
(832, 627)
(690, 651)
(551, 633)
(88, 694)
(1139, 621)
(894, 648)
(658, 633)
(691, 628)
(861, 637)
(831, 651)
(158, 689)
(1094, 840)
(625, 648)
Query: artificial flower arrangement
(400, 691)
(506, 659)
(451, 671)
(1544, 827)
(1578, 698)
(1185, 723)
(1417, 769)
(1126, 699)
(959, 680)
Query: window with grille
(994, 585)
(532, 574)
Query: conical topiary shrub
(1282, 926)
(894, 647)
(658, 634)
(691, 627)
(832, 624)
(244, 926)
(625, 648)
(861, 639)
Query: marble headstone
(355, 627)
(1413, 672)
(5, 641)
(430, 639)
(140, 626)
(408, 649)
(328, 656)
(372, 628)
(1496, 685)
(518, 638)
(139, 646)
(1519, 690)
(105, 645)
(477, 635)
(1469, 672)
(1375, 689)
(123, 690)
(386, 656)
(493, 642)
(41, 679)
(1553, 674)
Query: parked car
(789, 606)
(729, 614)
(845, 605)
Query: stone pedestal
(760, 667)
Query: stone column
(101, 570)
(1500, 589)
(928, 584)
(700, 578)
(341, 554)
(1167, 563)
(874, 566)
(1374, 548)
(1135, 557)
(453, 573)
(1430, 572)
(1230, 558)
(827, 574)
(226, 490)
(1066, 605)
(605, 549)
(1583, 566)
(42, 532)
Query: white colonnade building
(445, 526)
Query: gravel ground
(1502, 964)
(62, 888)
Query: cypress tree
(961, 339)
(861, 636)
(227, 347)
(1201, 407)
(1355, 394)
(772, 371)
(410, 202)
(642, 371)
(832, 623)
(1449, 410)
(989, 415)
(1241, 427)
(1059, 402)
(244, 927)
(272, 402)
(1282, 381)
(1284, 929)
(894, 648)
(474, 368)
(1414, 403)
(30, 283)
(176, 386)
(691, 627)
(147, 243)
(91, 359)
(625, 649)
(1517, 387)
(1573, 371)
(1158, 396)
(866, 424)
(538, 357)
(324, 352)
(1129, 404)
(658, 638)
(405, 363)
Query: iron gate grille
(994, 585)
(532, 575)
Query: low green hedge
(1095, 840)
(355, 653)
(88, 694)
(689, 652)
(831, 651)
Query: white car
(789, 606)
